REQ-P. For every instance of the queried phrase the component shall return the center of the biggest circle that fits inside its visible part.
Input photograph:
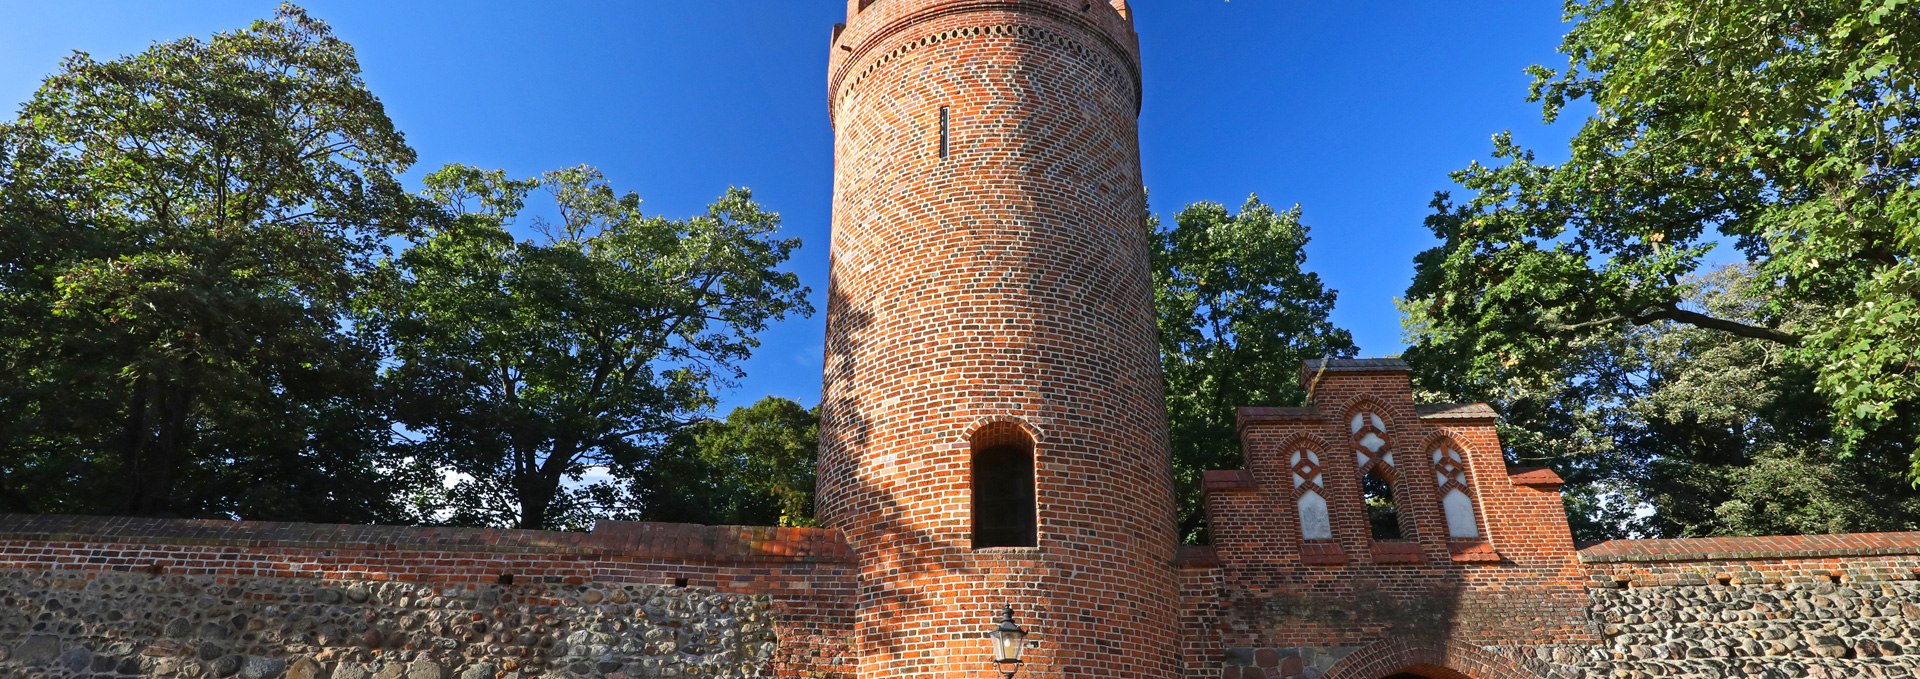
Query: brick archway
(1451, 660)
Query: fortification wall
(1299, 587)
(110, 597)
(1824, 606)
(1307, 588)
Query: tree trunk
(157, 422)
(134, 444)
(540, 488)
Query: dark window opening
(943, 131)
(1382, 514)
(1003, 498)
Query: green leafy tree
(524, 365)
(756, 467)
(180, 231)
(1238, 312)
(1785, 131)
(1671, 430)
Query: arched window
(1373, 457)
(1314, 524)
(1003, 495)
(1450, 474)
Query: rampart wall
(1824, 606)
(1301, 587)
(1481, 580)
(114, 597)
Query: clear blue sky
(1355, 110)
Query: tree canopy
(1238, 312)
(756, 467)
(1776, 135)
(180, 231)
(522, 365)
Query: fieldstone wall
(104, 598)
(1818, 630)
(1825, 606)
(80, 624)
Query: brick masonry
(995, 284)
(990, 283)
(1519, 600)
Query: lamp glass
(1007, 645)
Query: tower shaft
(991, 307)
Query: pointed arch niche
(1306, 469)
(1381, 485)
(1450, 478)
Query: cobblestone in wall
(1774, 629)
(90, 624)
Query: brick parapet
(879, 31)
(1773, 547)
(626, 539)
(1518, 585)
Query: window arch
(1456, 497)
(1004, 507)
(1373, 458)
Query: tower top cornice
(876, 29)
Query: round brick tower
(993, 427)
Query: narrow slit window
(944, 116)
(1003, 492)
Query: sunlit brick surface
(1005, 282)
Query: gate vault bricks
(993, 433)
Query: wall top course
(1456, 411)
(1534, 476)
(1229, 480)
(1246, 415)
(1340, 365)
(618, 538)
(1753, 548)
(1196, 556)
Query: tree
(1784, 129)
(523, 365)
(1238, 312)
(179, 233)
(1670, 430)
(756, 467)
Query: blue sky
(1355, 110)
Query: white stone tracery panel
(1450, 476)
(1314, 522)
(1369, 442)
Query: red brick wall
(806, 573)
(1283, 599)
(1005, 283)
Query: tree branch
(1673, 312)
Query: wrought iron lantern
(1008, 641)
